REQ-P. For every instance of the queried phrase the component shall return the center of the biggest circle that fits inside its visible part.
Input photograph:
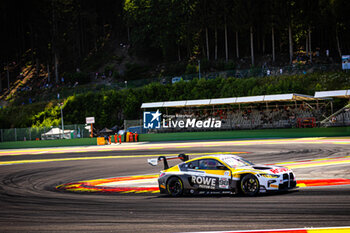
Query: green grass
(242, 134)
(186, 136)
(48, 143)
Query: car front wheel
(175, 187)
(250, 185)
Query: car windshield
(233, 161)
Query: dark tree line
(62, 34)
(56, 33)
(112, 107)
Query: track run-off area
(112, 188)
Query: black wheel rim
(175, 187)
(250, 185)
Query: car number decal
(224, 183)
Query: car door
(213, 175)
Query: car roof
(218, 156)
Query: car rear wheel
(175, 187)
(250, 185)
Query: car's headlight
(271, 176)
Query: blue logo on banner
(151, 120)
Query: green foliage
(135, 71)
(109, 68)
(112, 107)
(191, 69)
(230, 65)
(172, 69)
(80, 77)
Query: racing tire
(175, 187)
(250, 185)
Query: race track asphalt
(29, 202)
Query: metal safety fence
(37, 133)
(294, 69)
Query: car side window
(210, 164)
(193, 165)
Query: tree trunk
(207, 42)
(48, 73)
(188, 47)
(273, 44)
(56, 67)
(8, 76)
(237, 47)
(263, 45)
(307, 45)
(54, 39)
(81, 46)
(251, 45)
(178, 52)
(338, 43)
(290, 44)
(310, 48)
(32, 43)
(0, 83)
(226, 43)
(216, 43)
(128, 35)
(37, 67)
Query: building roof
(231, 100)
(337, 93)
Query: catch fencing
(238, 73)
(35, 133)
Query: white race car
(221, 174)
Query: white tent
(56, 133)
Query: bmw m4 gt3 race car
(221, 174)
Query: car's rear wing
(154, 161)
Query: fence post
(2, 135)
(16, 134)
(30, 134)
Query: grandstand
(340, 117)
(258, 112)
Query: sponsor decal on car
(279, 170)
(204, 182)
